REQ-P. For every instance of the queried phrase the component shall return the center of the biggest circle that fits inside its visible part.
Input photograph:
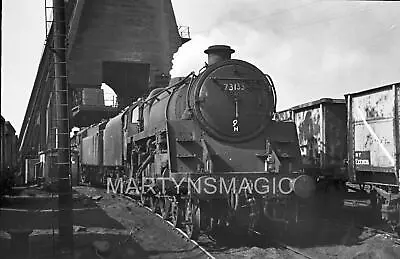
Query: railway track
(210, 248)
(138, 204)
(212, 242)
(391, 234)
(169, 224)
(374, 230)
(294, 250)
(299, 253)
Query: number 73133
(234, 87)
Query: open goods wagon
(374, 136)
(321, 129)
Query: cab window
(135, 115)
(125, 121)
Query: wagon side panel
(286, 115)
(335, 135)
(374, 143)
(308, 123)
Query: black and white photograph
(200, 129)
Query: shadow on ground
(33, 209)
(40, 212)
(334, 226)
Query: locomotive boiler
(205, 152)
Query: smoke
(311, 49)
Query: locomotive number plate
(234, 86)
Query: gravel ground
(115, 219)
(325, 239)
(149, 231)
(112, 219)
(354, 244)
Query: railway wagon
(9, 155)
(321, 128)
(374, 136)
(8, 146)
(355, 142)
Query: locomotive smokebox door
(232, 100)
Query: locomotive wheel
(165, 207)
(142, 199)
(153, 203)
(206, 219)
(175, 211)
(192, 219)
(145, 200)
(159, 205)
(233, 200)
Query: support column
(62, 122)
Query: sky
(312, 49)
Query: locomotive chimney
(218, 53)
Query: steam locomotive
(204, 152)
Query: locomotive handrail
(141, 168)
(187, 95)
(203, 68)
(179, 83)
(273, 90)
(235, 78)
